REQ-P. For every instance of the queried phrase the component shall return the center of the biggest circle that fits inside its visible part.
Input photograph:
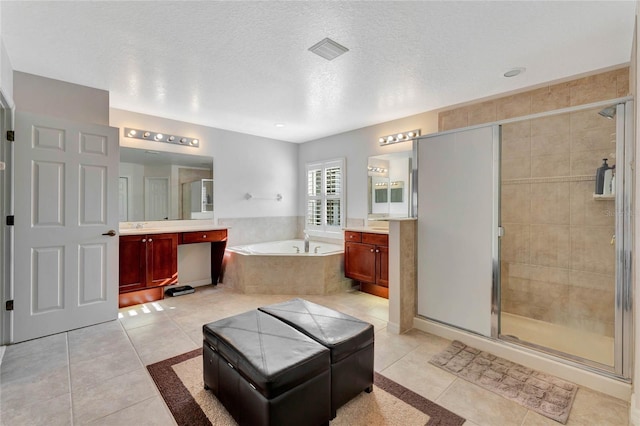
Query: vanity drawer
(352, 237)
(377, 239)
(204, 236)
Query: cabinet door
(382, 266)
(162, 259)
(133, 271)
(360, 262)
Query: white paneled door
(66, 204)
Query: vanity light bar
(398, 137)
(395, 183)
(376, 169)
(148, 135)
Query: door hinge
(9, 305)
(500, 231)
(11, 135)
(10, 220)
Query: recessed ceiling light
(279, 125)
(328, 49)
(514, 72)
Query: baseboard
(198, 283)
(616, 388)
(393, 328)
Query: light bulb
(146, 134)
(171, 138)
(132, 133)
(159, 137)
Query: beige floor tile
(33, 412)
(92, 372)
(150, 412)
(19, 364)
(414, 372)
(481, 406)
(112, 395)
(390, 348)
(48, 383)
(597, 409)
(140, 315)
(159, 341)
(88, 346)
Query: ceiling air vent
(328, 49)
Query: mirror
(156, 185)
(389, 181)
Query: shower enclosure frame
(623, 327)
(623, 335)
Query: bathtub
(282, 267)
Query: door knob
(110, 233)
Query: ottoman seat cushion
(270, 355)
(341, 333)
(349, 339)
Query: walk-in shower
(521, 245)
(563, 283)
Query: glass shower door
(558, 252)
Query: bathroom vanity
(149, 259)
(366, 260)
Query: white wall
(356, 146)
(41, 95)
(242, 164)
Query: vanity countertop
(159, 229)
(372, 230)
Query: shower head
(608, 112)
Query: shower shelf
(601, 197)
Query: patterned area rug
(179, 380)
(548, 395)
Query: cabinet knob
(377, 251)
(371, 250)
(144, 240)
(204, 236)
(150, 240)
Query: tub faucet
(306, 242)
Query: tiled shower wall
(557, 263)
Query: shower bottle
(600, 176)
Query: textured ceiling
(244, 66)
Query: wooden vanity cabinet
(366, 259)
(147, 264)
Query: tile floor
(97, 375)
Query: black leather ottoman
(265, 372)
(349, 339)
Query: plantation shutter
(325, 197)
(314, 197)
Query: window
(325, 198)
